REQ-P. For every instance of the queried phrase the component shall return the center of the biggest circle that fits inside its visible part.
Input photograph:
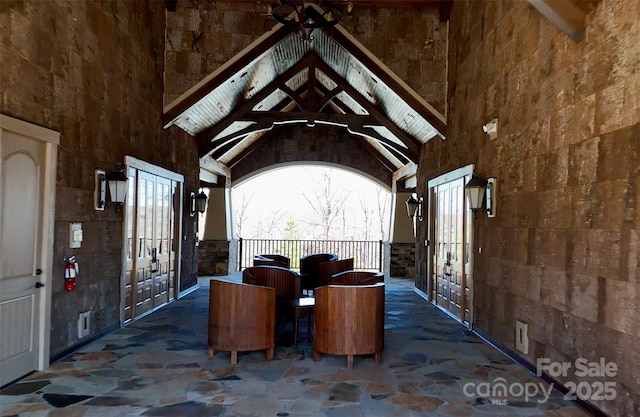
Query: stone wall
(93, 72)
(201, 36)
(402, 260)
(297, 144)
(213, 257)
(562, 253)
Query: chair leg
(211, 353)
(269, 353)
(378, 357)
(234, 357)
(316, 356)
(349, 361)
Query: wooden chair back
(349, 320)
(234, 327)
(285, 281)
(309, 268)
(356, 278)
(272, 260)
(327, 269)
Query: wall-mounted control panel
(75, 235)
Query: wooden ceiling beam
(376, 67)
(222, 74)
(205, 137)
(355, 124)
(411, 143)
(264, 120)
(220, 143)
(327, 97)
(262, 140)
(377, 155)
(566, 15)
(295, 97)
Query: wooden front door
(25, 205)
(450, 280)
(150, 251)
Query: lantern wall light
(201, 202)
(117, 180)
(414, 206)
(198, 203)
(481, 195)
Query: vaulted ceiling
(283, 79)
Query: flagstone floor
(158, 366)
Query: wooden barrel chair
(309, 268)
(356, 278)
(272, 260)
(234, 327)
(285, 281)
(349, 320)
(326, 270)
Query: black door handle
(38, 271)
(39, 285)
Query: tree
(241, 212)
(270, 223)
(327, 203)
(383, 205)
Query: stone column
(214, 246)
(402, 243)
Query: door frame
(132, 162)
(461, 172)
(51, 140)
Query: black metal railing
(366, 254)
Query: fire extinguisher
(70, 273)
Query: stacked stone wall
(300, 145)
(402, 260)
(93, 72)
(213, 257)
(562, 253)
(202, 36)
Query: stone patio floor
(158, 366)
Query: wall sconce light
(201, 202)
(117, 186)
(198, 203)
(480, 195)
(414, 206)
(100, 194)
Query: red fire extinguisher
(70, 273)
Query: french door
(151, 243)
(451, 283)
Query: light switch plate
(75, 235)
(522, 337)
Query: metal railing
(366, 254)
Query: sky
(286, 196)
